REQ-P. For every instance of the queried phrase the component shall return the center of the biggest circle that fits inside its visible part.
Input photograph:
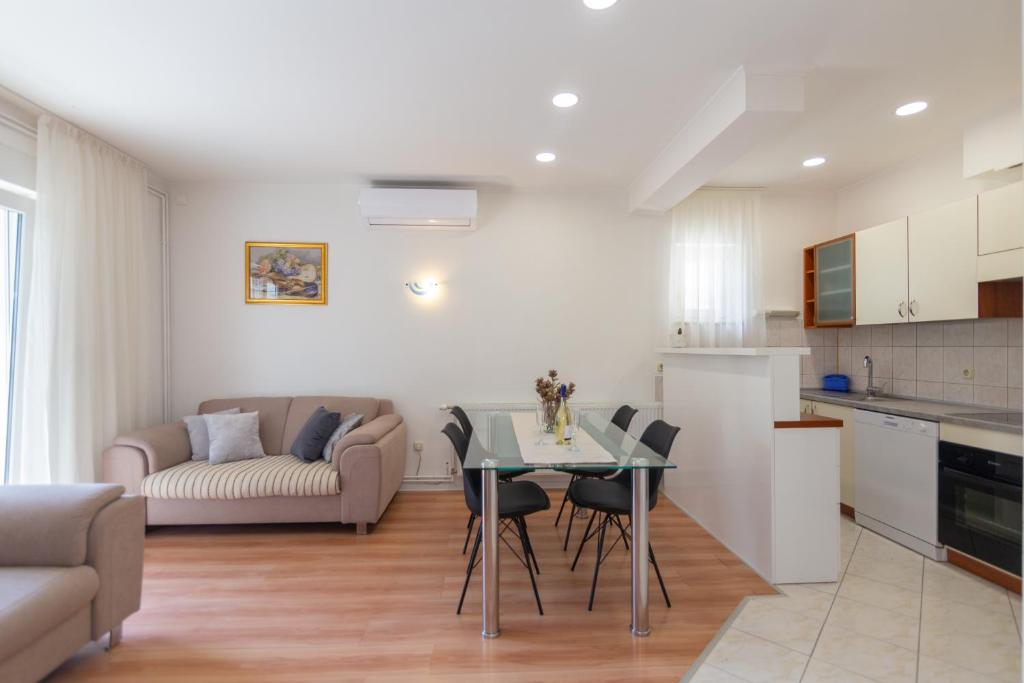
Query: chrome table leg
(641, 625)
(489, 524)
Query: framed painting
(285, 273)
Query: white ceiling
(459, 90)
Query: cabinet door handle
(899, 309)
(913, 307)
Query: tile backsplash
(969, 361)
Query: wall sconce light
(427, 288)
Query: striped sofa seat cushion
(271, 475)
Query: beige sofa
(70, 572)
(363, 476)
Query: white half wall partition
(752, 470)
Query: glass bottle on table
(563, 419)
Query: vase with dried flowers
(548, 396)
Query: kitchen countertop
(936, 411)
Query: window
(714, 280)
(11, 224)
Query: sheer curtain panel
(90, 342)
(715, 269)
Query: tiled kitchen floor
(893, 616)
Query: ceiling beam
(746, 110)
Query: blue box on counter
(835, 383)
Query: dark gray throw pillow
(309, 444)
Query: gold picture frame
(286, 273)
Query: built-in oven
(980, 504)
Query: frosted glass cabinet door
(834, 282)
(881, 267)
(943, 273)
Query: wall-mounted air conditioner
(418, 209)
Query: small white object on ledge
(677, 335)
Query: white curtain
(89, 355)
(715, 269)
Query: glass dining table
(499, 442)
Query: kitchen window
(714, 280)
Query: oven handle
(999, 488)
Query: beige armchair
(70, 572)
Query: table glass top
(494, 445)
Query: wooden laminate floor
(319, 603)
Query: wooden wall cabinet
(829, 276)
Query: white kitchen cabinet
(846, 447)
(881, 258)
(1001, 219)
(1001, 233)
(942, 248)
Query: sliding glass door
(11, 225)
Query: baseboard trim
(986, 571)
(846, 510)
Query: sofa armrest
(47, 525)
(371, 471)
(116, 540)
(369, 433)
(163, 446)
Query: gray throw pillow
(234, 437)
(309, 444)
(199, 437)
(347, 425)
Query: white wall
(791, 221)
(548, 281)
(919, 184)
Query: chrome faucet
(872, 391)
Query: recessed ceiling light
(565, 99)
(599, 4)
(546, 157)
(911, 108)
(814, 161)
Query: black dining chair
(467, 428)
(621, 419)
(611, 499)
(516, 500)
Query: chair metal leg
(568, 529)
(650, 553)
(622, 531)
(529, 547)
(469, 567)
(469, 531)
(565, 498)
(524, 538)
(583, 541)
(597, 565)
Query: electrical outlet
(968, 373)
(417, 446)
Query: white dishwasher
(897, 479)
